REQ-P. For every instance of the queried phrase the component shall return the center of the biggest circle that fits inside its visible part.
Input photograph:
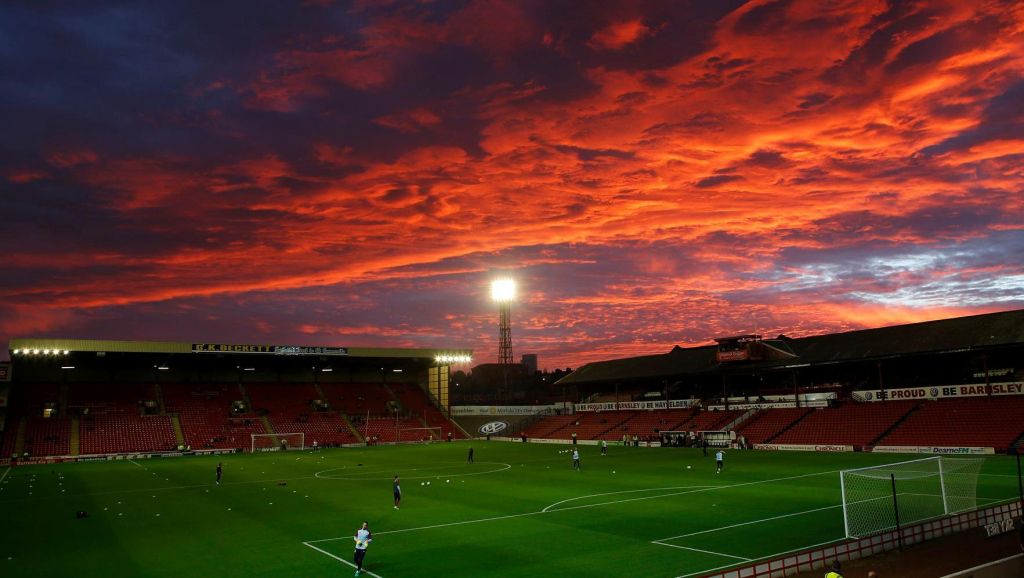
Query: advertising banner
(771, 405)
(635, 405)
(5, 371)
(609, 406)
(934, 450)
(643, 404)
(503, 409)
(274, 349)
(803, 447)
(941, 391)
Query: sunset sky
(652, 173)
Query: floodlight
(17, 351)
(503, 290)
(46, 352)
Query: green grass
(520, 510)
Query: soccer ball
(422, 484)
(688, 467)
(428, 483)
(447, 481)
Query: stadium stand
(644, 423)
(851, 423)
(545, 428)
(45, 436)
(387, 430)
(204, 412)
(289, 409)
(973, 422)
(767, 423)
(416, 402)
(358, 399)
(111, 419)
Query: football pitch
(519, 510)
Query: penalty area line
(340, 559)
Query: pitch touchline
(544, 511)
(761, 558)
(340, 559)
(704, 551)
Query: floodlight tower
(503, 292)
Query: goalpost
(419, 434)
(882, 498)
(278, 442)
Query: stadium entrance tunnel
(444, 470)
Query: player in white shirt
(718, 461)
(575, 459)
(363, 538)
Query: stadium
(837, 447)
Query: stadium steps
(618, 424)
(179, 433)
(62, 399)
(75, 443)
(896, 424)
(735, 424)
(269, 429)
(350, 425)
(320, 393)
(247, 400)
(1018, 446)
(159, 399)
(394, 398)
(789, 427)
(19, 438)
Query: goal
(880, 498)
(419, 434)
(278, 442)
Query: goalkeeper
(363, 538)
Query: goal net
(278, 442)
(914, 490)
(419, 434)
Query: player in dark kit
(397, 490)
(469, 458)
(220, 472)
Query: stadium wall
(819, 558)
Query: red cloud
(618, 35)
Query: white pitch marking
(7, 471)
(548, 508)
(775, 555)
(705, 489)
(705, 551)
(340, 559)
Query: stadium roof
(17, 346)
(975, 332)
